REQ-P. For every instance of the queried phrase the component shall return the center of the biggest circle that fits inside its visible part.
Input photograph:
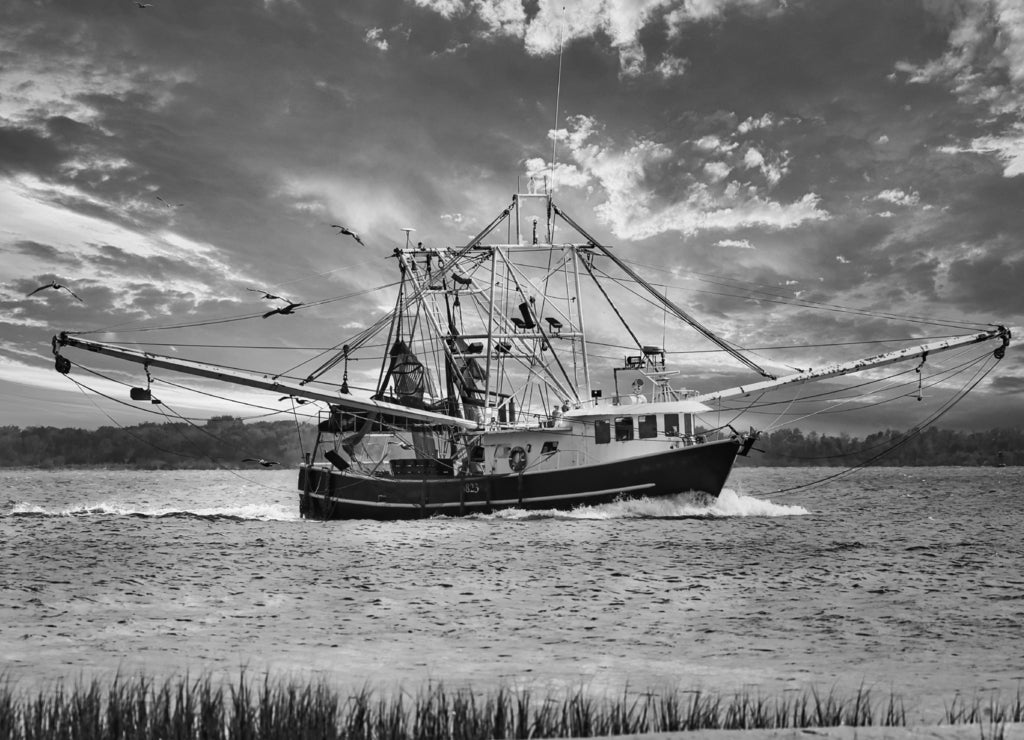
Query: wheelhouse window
(623, 428)
(602, 432)
(672, 425)
(647, 426)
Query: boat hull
(328, 493)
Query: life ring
(517, 459)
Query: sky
(161, 160)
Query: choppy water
(908, 580)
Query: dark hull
(331, 494)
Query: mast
(580, 321)
(853, 366)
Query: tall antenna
(558, 94)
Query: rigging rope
(980, 375)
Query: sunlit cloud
(1008, 148)
(633, 211)
(558, 22)
(899, 197)
(375, 38)
(983, 65)
(671, 66)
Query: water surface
(902, 579)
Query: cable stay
(664, 301)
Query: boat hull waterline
(328, 493)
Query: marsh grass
(979, 711)
(200, 709)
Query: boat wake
(248, 512)
(681, 506)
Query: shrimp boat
(483, 391)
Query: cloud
(563, 173)
(1007, 147)
(447, 8)
(772, 171)
(46, 253)
(713, 143)
(558, 22)
(375, 38)
(984, 66)
(753, 124)
(671, 66)
(986, 281)
(716, 171)
(899, 197)
(627, 177)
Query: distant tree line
(932, 446)
(222, 441)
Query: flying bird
(348, 232)
(56, 286)
(283, 310)
(267, 296)
(261, 461)
(169, 205)
(299, 401)
(144, 5)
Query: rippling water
(908, 580)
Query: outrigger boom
(255, 380)
(354, 403)
(854, 366)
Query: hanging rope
(980, 375)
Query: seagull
(56, 286)
(261, 461)
(347, 231)
(144, 5)
(169, 205)
(283, 310)
(268, 296)
(299, 401)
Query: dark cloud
(47, 253)
(26, 150)
(1008, 384)
(989, 283)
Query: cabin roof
(627, 406)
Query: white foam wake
(255, 512)
(680, 506)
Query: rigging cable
(980, 375)
(82, 387)
(804, 303)
(558, 95)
